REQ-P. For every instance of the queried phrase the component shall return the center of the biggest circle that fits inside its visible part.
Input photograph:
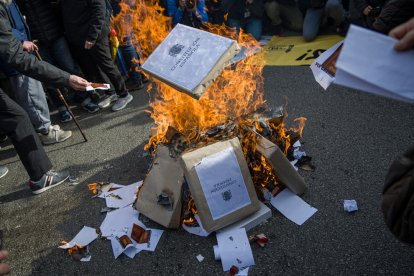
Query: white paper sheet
(90, 88)
(368, 61)
(105, 190)
(154, 239)
(222, 182)
(350, 205)
(119, 247)
(242, 54)
(234, 249)
(127, 195)
(83, 238)
(318, 70)
(293, 207)
(115, 221)
(199, 231)
(243, 272)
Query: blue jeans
(58, 54)
(130, 57)
(251, 26)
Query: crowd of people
(73, 41)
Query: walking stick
(64, 101)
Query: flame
(92, 187)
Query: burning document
(83, 238)
(293, 207)
(368, 61)
(199, 231)
(234, 248)
(121, 243)
(223, 184)
(121, 197)
(117, 220)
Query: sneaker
(133, 84)
(107, 99)
(65, 116)
(277, 30)
(144, 78)
(122, 102)
(49, 180)
(56, 135)
(3, 171)
(91, 107)
(3, 137)
(346, 15)
(342, 29)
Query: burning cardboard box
(220, 183)
(189, 60)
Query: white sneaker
(56, 135)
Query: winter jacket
(177, 14)
(12, 53)
(393, 14)
(42, 20)
(360, 5)
(237, 8)
(84, 20)
(20, 31)
(397, 203)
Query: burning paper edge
(199, 231)
(83, 238)
(90, 88)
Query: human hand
(405, 33)
(183, 4)
(4, 268)
(367, 10)
(88, 44)
(78, 83)
(29, 46)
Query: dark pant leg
(15, 123)
(102, 58)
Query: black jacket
(393, 14)
(84, 20)
(360, 5)
(12, 53)
(237, 8)
(42, 20)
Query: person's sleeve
(360, 5)
(174, 12)
(201, 11)
(226, 5)
(98, 12)
(12, 53)
(257, 7)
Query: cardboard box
(234, 194)
(165, 176)
(283, 169)
(189, 60)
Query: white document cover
(222, 182)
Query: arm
(201, 11)
(174, 12)
(98, 10)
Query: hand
(405, 33)
(29, 46)
(183, 4)
(367, 10)
(78, 83)
(4, 268)
(88, 44)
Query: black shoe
(144, 78)
(133, 84)
(3, 137)
(94, 95)
(3, 171)
(342, 29)
(49, 180)
(277, 30)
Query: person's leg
(292, 17)
(311, 23)
(273, 11)
(235, 23)
(31, 97)
(334, 10)
(15, 122)
(254, 27)
(130, 58)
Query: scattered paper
(111, 187)
(83, 238)
(324, 68)
(293, 207)
(234, 249)
(122, 197)
(298, 154)
(293, 164)
(243, 272)
(153, 242)
(253, 49)
(350, 205)
(199, 231)
(368, 61)
(223, 184)
(122, 243)
(116, 220)
(200, 258)
(102, 86)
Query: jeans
(58, 54)
(252, 26)
(130, 57)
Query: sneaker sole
(106, 105)
(47, 188)
(124, 105)
(54, 142)
(84, 108)
(65, 121)
(4, 173)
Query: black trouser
(15, 123)
(97, 64)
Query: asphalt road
(352, 136)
